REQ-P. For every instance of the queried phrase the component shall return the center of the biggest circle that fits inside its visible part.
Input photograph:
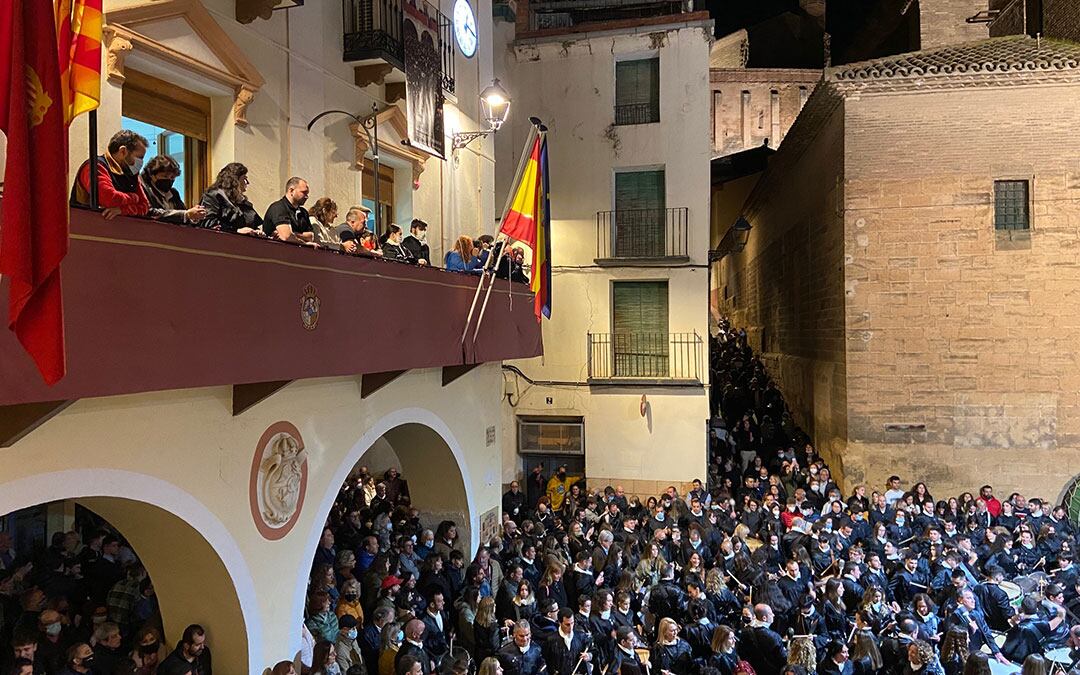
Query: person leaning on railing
(226, 203)
(119, 191)
(157, 179)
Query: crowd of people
(87, 607)
(768, 569)
(128, 185)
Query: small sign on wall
(491, 436)
(489, 525)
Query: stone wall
(786, 288)
(950, 324)
(1061, 19)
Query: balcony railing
(633, 358)
(637, 113)
(560, 14)
(642, 234)
(373, 30)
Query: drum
(1015, 593)
(1059, 656)
(1002, 669)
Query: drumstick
(852, 633)
(580, 659)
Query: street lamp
(733, 241)
(370, 125)
(494, 106)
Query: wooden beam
(451, 373)
(17, 420)
(373, 74)
(395, 91)
(373, 382)
(246, 395)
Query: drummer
(996, 602)
(1031, 631)
(1052, 605)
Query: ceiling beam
(19, 419)
(373, 382)
(451, 373)
(246, 395)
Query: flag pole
(502, 251)
(487, 263)
(92, 132)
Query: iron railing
(637, 113)
(373, 30)
(642, 233)
(645, 356)
(558, 14)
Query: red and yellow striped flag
(78, 36)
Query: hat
(347, 621)
(390, 582)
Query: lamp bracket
(463, 138)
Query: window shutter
(640, 327)
(640, 216)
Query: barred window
(1011, 205)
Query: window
(176, 122)
(1011, 205)
(640, 214)
(637, 91)
(551, 436)
(386, 196)
(639, 327)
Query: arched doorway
(429, 458)
(198, 573)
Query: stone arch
(432, 461)
(199, 573)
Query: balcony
(650, 236)
(637, 113)
(565, 14)
(374, 32)
(151, 306)
(674, 359)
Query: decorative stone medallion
(309, 307)
(279, 473)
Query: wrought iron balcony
(637, 113)
(557, 14)
(374, 30)
(645, 358)
(642, 235)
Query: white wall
(569, 82)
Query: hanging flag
(541, 269)
(527, 220)
(78, 32)
(34, 210)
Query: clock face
(465, 28)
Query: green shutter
(637, 91)
(640, 215)
(640, 329)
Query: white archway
(136, 487)
(397, 419)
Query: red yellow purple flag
(78, 33)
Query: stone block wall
(943, 22)
(970, 332)
(754, 105)
(787, 288)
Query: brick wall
(1061, 19)
(786, 287)
(948, 324)
(943, 22)
(745, 110)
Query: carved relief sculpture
(280, 477)
(116, 50)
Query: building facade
(621, 392)
(907, 276)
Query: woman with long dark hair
(226, 203)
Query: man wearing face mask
(157, 179)
(117, 172)
(52, 642)
(80, 659)
(416, 242)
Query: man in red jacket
(119, 190)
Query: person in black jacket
(157, 179)
(763, 647)
(671, 653)
(626, 659)
(523, 657)
(227, 206)
(436, 627)
(392, 248)
(566, 647)
(416, 243)
(414, 646)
